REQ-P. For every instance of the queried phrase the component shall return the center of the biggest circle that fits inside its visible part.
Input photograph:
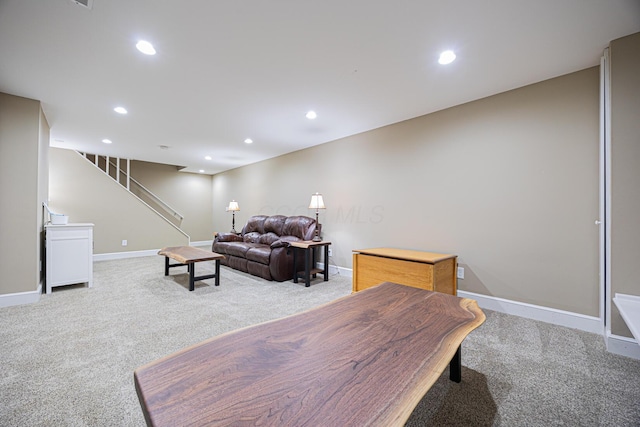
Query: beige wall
(509, 183)
(625, 172)
(188, 193)
(24, 138)
(78, 189)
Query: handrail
(155, 198)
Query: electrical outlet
(460, 272)
(330, 252)
(124, 243)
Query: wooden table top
(305, 244)
(406, 254)
(186, 254)
(364, 359)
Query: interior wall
(625, 173)
(508, 183)
(78, 189)
(43, 192)
(188, 193)
(20, 135)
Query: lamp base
(233, 230)
(316, 239)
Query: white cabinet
(69, 254)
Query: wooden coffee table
(364, 359)
(189, 255)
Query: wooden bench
(364, 359)
(189, 255)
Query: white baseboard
(537, 312)
(138, 254)
(622, 346)
(124, 255)
(20, 298)
(334, 269)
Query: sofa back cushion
(268, 238)
(252, 237)
(302, 227)
(255, 223)
(274, 224)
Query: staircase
(119, 170)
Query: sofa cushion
(255, 223)
(299, 226)
(252, 237)
(275, 224)
(269, 238)
(221, 247)
(228, 237)
(259, 254)
(240, 249)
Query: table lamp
(317, 203)
(233, 207)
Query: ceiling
(230, 70)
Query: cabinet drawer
(68, 234)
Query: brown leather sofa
(262, 248)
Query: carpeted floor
(68, 360)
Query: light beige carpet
(68, 360)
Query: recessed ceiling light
(207, 157)
(201, 171)
(311, 115)
(447, 57)
(248, 140)
(120, 110)
(145, 47)
(107, 141)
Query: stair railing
(113, 169)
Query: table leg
(295, 265)
(191, 268)
(307, 267)
(455, 366)
(166, 266)
(326, 263)
(313, 261)
(217, 282)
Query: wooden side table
(309, 248)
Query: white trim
(622, 346)
(123, 255)
(537, 312)
(629, 308)
(138, 254)
(20, 298)
(202, 243)
(334, 269)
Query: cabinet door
(69, 257)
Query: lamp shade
(316, 202)
(233, 206)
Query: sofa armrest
(228, 237)
(283, 242)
